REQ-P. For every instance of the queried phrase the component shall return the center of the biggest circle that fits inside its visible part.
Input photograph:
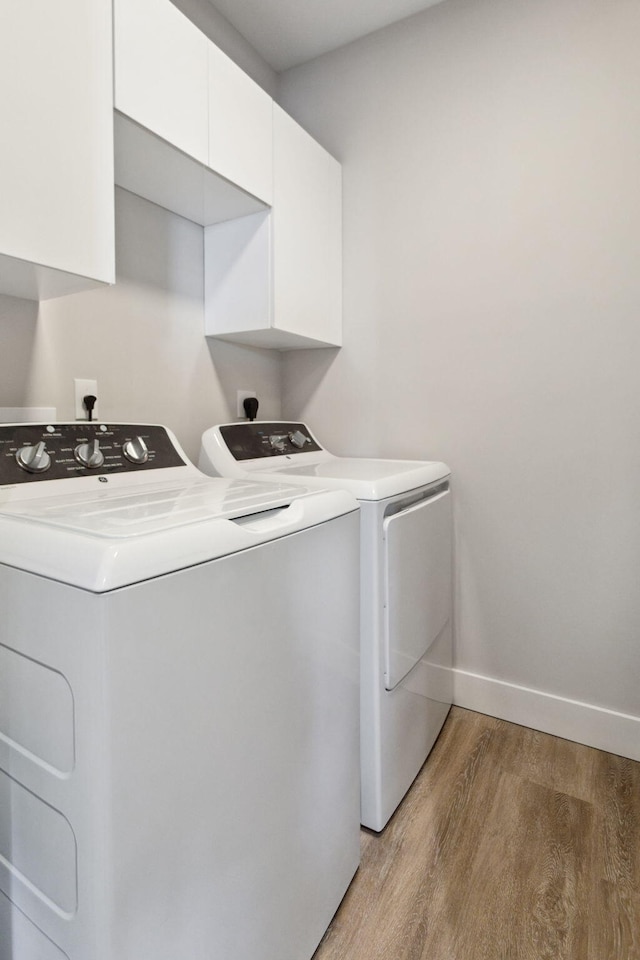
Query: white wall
(18, 326)
(492, 298)
(215, 26)
(142, 339)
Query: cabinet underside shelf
(149, 167)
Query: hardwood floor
(510, 845)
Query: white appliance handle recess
(300, 513)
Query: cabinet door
(56, 160)
(161, 73)
(307, 234)
(240, 127)
(275, 280)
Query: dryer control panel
(57, 451)
(249, 441)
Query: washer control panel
(249, 441)
(57, 451)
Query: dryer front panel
(417, 581)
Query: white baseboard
(570, 719)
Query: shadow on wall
(239, 367)
(301, 383)
(18, 324)
(155, 249)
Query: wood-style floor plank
(510, 845)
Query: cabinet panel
(307, 226)
(152, 168)
(162, 119)
(161, 73)
(56, 162)
(237, 278)
(240, 127)
(275, 280)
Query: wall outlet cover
(241, 397)
(84, 388)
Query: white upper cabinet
(190, 126)
(307, 227)
(275, 279)
(56, 159)
(240, 127)
(161, 73)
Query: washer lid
(365, 479)
(124, 536)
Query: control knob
(136, 450)
(298, 438)
(89, 454)
(277, 442)
(34, 458)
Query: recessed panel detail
(37, 849)
(22, 938)
(36, 710)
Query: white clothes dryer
(405, 589)
(178, 703)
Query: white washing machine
(406, 634)
(178, 703)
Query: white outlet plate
(241, 397)
(85, 388)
